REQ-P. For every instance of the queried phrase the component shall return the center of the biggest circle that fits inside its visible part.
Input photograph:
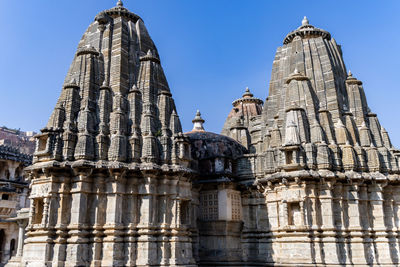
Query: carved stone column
(381, 238)
(58, 217)
(359, 251)
(164, 190)
(113, 247)
(146, 244)
(21, 236)
(131, 238)
(181, 243)
(99, 214)
(45, 217)
(326, 200)
(77, 244)
(396, 215)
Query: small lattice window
(236, 206)
(209, 205)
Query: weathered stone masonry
(308, 178)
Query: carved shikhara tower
(109, 181)
(309, 178)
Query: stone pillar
(358, 251)
(325, 198)
(390, 216)
(12, 166)
(164, 191)
(113, 250)
(396, 217)
(31, 212)
(380, 240)
(131, 247)
(338, 207)
(61, 214)
(174, 199)
(181, 243)
(314, 222)
(327, 241)
(77, 244)
(21, 236)
(146, 244)
(45, 217)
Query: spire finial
(305, 21)
(120, 4)
(247, 93)
(350, 74)
(198, 123)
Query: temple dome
(212, 153)
(206, 145)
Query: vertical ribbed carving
(135, 111)
(85, 144)
(72, 104)
(375, 128)
(105, 106)
(86, 122)
(118, 125)
(175, 123)
(308, 72)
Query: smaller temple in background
(16, 149)
(239, 119)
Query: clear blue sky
(210, 50)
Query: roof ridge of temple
(306, 30)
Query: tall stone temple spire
(96, 173)
(321, 160)
(119, 96)
(311, 88)
(307, 178)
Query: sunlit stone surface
(307, 178)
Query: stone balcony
(7, 207)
